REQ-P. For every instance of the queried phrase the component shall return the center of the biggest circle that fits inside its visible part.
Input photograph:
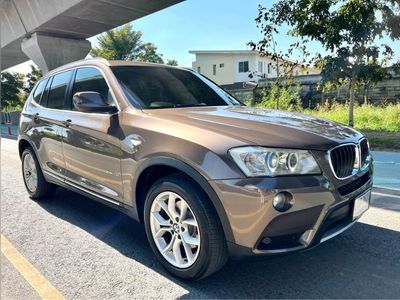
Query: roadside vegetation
(349, 32)
(381, 124)
(368, 117)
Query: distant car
(208, 176)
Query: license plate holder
(361, 205)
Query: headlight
(260, 161)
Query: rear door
(91, 142)
(47, 112)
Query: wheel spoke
(183, 207)
(31, 163)
(164, 207)
(188, 251)
(176, 250)
(195, 241)
(29, 183)
(190, 222)
(171, 205)
(160, 233)
(160, 220)
(169, 246)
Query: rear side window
(92, 80)
(58, 90)
(37, 94)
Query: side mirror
(91, 102)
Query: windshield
(165, 87)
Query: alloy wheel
(30, 173)
(174, 229)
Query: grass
(366, 117)
(379, 140)
(380, 124)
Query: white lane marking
(386, 162)
(386, 195)
(386, 188)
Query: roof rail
(97, 59)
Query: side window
(243, 66)
(37, 94)
(58, 90)
(92, 80)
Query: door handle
(67, 123)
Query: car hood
(264, 127)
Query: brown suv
(208, 176)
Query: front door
(91, 144)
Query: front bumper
(321, 210)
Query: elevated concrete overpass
(54, 32)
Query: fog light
(282, 201)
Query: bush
(285, 97)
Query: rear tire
(35, 183)
(201, 246)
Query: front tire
(35, 184)
(183, 228)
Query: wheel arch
(158, 167)
(23, 143)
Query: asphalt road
(87, 251)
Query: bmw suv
(208, 176)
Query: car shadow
(363, 262)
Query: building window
(243, 66)
(221, 65)
(269, 68)
(260, 67)
(214, 70)
(198, 70)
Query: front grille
(342, 159)
(364, 153)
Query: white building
(227, 67)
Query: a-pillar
(50, 52)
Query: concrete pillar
(51, 52)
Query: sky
(205, 25)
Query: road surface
(89, 251)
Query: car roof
(97, 61)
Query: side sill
(58, 180)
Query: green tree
(347, 29)
(124, 43)
(286, 97)
(172, 62)
(149, 53)
(32, 79)
(11, 87)
(281, 63)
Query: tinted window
(156, 87)
(58, 89)
(243, 66)
(37, 95)
(91, 80)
